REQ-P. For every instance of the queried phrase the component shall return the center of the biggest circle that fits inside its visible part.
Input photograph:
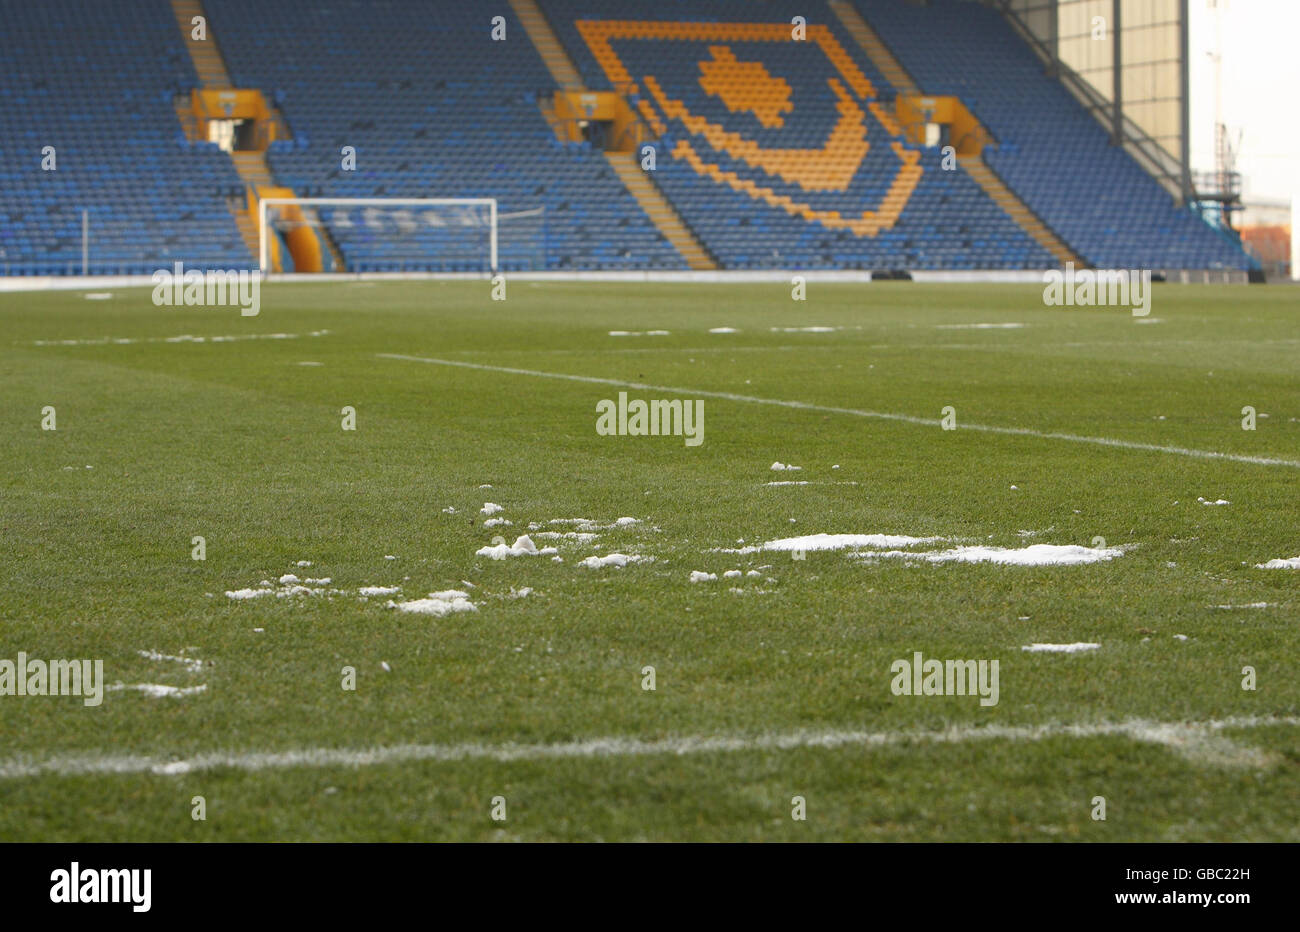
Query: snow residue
(182, 338)
(379, 590)
(1074, 648)
(581, 537)
(731, 574)
(1292, 564)
(804, 329)
(247, 593)
(700, 576)
(191, 664)
(1206, 501)
(723, 330)
(520, 593)
(490, 508)
(1246, 605)
(98, 295)
(288, 578)
(497, 522)
(437, 604)
(789, 482)
(638, 333)
(522, 546)
(159, 690)
(626, 522)
(389, 556)
(837, 542)
(1033, 555)
(303, 563)
(611, 559)
(978, 326)
(782, 467)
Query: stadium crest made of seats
(793, 123)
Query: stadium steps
(243, 220)
(1015, 208)
(205, 55)
(876, 50)
(185, 113)
(255, 174)
(548, 46)
(664, 216)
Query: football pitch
(367, 650)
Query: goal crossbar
(263, 242)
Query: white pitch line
(856, 412)
(1197, 741)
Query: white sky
(1261, 87)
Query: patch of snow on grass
(437, 604)
(1075, 648)
(611, 559)
(700, 576)
(159, 690)
(1292, 564)
(782, 467)
(490, 508)
(523, 546)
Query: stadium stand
(433, 110)
(1056, 157)
(96, 80)
(776, 93)
(769, 153)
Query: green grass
(241, 444)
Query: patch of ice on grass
(437, 604)
(490, 508)
(523, 546)
(1075, 648)
(1280, 564)
(701, 576)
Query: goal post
(301, 212)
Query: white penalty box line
(1198, 742)
(856, 412)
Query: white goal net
(358, 235)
